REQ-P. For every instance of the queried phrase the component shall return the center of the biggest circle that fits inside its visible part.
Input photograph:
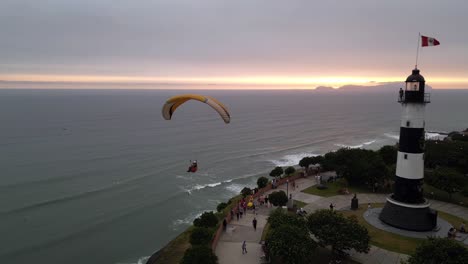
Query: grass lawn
(390, 241)
(333, 188)
(299, 204)
(457, 198)
(383, 239)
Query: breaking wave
(356, 146)
(292, 159)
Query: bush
(291, 244)
(465, 192)
(439, 250)
(342, 234)
(278, 218)
(246, 192)
(221, 207)
(278, 198)
(389, 154)
(201, 236)
(358, 166)
(199, 255)
(262, 182)
(289, 170)
(276, 172)
(207, 219)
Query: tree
(207, 219)
(279, 217)
(439, 250)
(221, 206)
(317, 159)
(358, 166)
(199, 255)
(246, 191)
(333, 229)
(276, 172)
(262, 182)
(388, 154)
(201, 236)
(291, 244)
(278, 198)
(289, 170)
(305, 162)
(447, 180)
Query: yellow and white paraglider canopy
(174, 102)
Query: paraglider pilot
(193, 166)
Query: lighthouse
(406, 208)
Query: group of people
(452, 233)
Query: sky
(238, 44)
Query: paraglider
(174, 102)
(193, 166)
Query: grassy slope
(390, 241)
(440, 195)
(174, 251)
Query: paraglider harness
(193, 166)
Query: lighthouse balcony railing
(402, 98)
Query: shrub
(439, 250)
(465, 192)
(342, 234)
(199, 255)
(201, 236)
(289, 170)
(278, 198)
(246, 191)
(291, 244)
(221, 207)
(278, 218)
(262, 182)
(276, 172)
(207, 219)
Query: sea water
(98, 176)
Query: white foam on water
(392, 136)
(429, 136)
(292, 159)
(435, 136)
(357, 146)
(188, 220)
(207, 185)
(235, 188)
(141, 260)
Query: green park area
(359, 171)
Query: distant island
(378, 87)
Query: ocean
(98, 176)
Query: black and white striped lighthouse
(406, 208)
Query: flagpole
(417, 50)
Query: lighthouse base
(414, 217)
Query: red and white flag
(428, 41)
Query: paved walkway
(229, 249)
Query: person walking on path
(224, 224)
(331, 206)
(244, 248)
(237, 214)
(254, 222)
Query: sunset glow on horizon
(243, 82)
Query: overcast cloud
(214, 37)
